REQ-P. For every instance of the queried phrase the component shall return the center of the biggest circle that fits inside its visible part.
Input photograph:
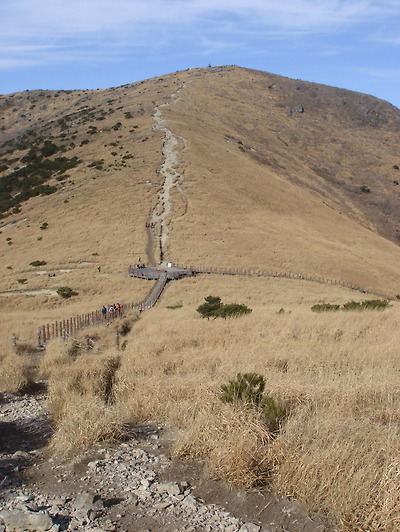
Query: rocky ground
(132, 486)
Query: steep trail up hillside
(172, 170)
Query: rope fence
(278, 274)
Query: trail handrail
(66, 328)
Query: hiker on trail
(99, 269)
(104, 311)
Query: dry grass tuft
(84, 421)
(232, 440)
(16, 368)
(340, 464)
(88, 376)
(15, 373)
(81, 395)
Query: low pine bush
(377, 304)
(352, 305)
(324, 307)
(248, 389)
(65, 292)
(213, 307)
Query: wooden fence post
(117, 340)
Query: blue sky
(90, 44)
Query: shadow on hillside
(20, 444)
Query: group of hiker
(112, 310)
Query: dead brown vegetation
(265, 187)
(336, 374)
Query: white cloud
(37, 29)
(388, 74)
(65, 18)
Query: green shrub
(49, 148)
(379, 304)
(375, 304)
(22, 281)
(29, 181)
(233, 310)
(38, 263)
(210, 308)
(44, 225)
(324, 307)
(248, 389)
(97, 164)
(213, 307)
(352, 305)
(364, 188)
(65, 292)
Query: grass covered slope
(236, 168)
(252, 187)
(254, 182)
(335, 373)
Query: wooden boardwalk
(163, 274)
(154, 272)
(155, 292)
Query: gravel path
(172, 170)
(133, 486)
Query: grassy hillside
(234, 168)
(255, 183)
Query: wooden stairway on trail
(155, 293)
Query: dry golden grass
(85, 421)
(234, 440)
(80, 395)
(15, 374)
(336, 372)
(249, 199)
(252, 205)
